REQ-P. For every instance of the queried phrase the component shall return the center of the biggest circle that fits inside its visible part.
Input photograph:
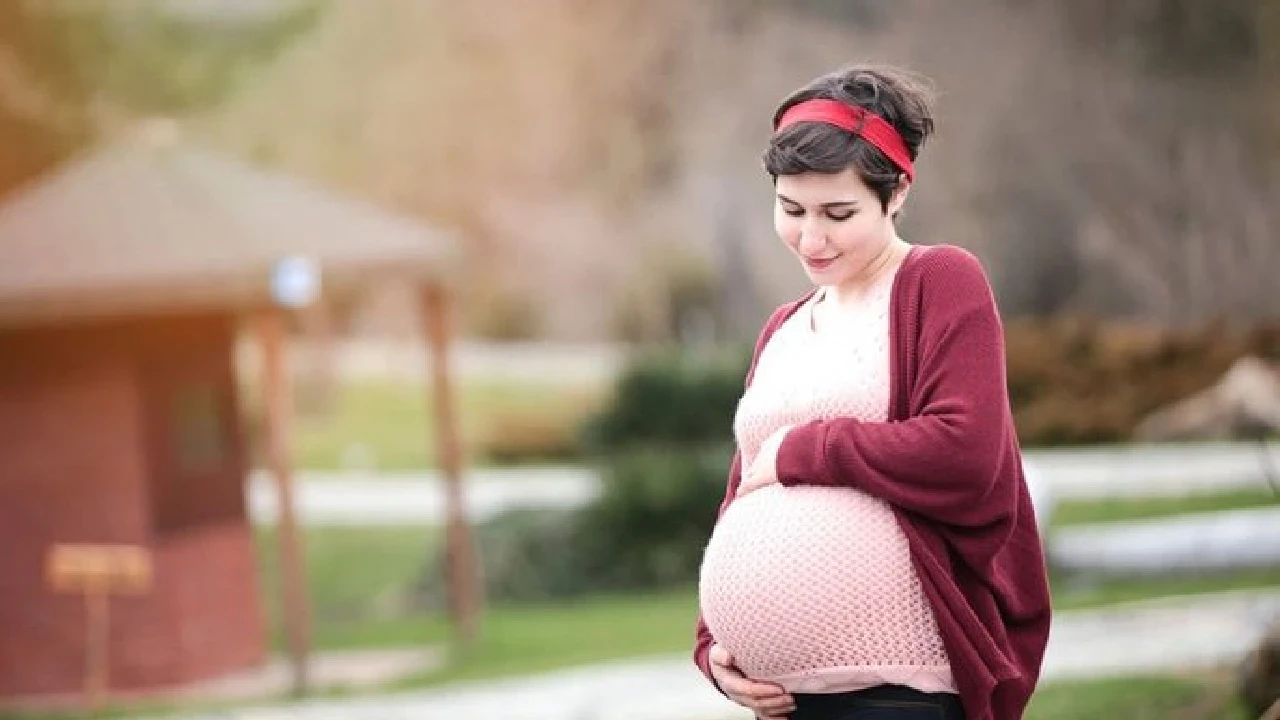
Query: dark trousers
(884, 702)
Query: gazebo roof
(145, 226)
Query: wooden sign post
(97, 572)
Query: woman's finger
(761, 690)
(720, 656)
(780, 705)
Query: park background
(594, 170)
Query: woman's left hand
(764, 468)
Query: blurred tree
(1142, 137)
(73, 71)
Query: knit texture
(948, 463)
(811, 587)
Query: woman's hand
(764, 467)
(766, 700)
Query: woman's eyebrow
(834, 203)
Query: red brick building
(124, 280)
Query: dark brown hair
(903, 98)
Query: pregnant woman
(876, 555)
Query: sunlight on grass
(393, 426)
(353, 572)
(1079, 512)
(1082, 593)
(1138, 698)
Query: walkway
(1140, 638)
(418, 497)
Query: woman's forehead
(820, 188)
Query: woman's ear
(899, 196)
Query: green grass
(1139, 698)
(1079, 512)
(394, 424)
(1083, 593)
(1162, 697)
(352, 572)
(534, 638)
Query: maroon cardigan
(949, 464)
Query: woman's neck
(854, 288)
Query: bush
(663, 448)
(525, 555)
(646, 530)
(1075, 380)
(652, 520)
(509, 438)
(672, 400)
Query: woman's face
(833, 223)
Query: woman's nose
(812, 240)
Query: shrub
(650, 524)
(1076, 380)
(672, 400)
(509, 438)
(525, 555)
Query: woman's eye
(840, 217)
(793, 212)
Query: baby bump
(788, 569)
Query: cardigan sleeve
(946, 460)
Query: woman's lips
(820, 263)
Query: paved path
(521, 361)
(1146, 637)
(1248, 538)
(1139, 470)
(416, 497)
(412, 498)
(1232, 539)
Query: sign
(96, 572)
(114, 569)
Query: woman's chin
(825, 276)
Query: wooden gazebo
(125, 278)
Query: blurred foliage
(1178, 36)
(529, 555)
(1077, 380)
(78, 70)
(141, 57)
(662, 447)
(651, 522)
(672, 400)
(514, 434)
(645, 531)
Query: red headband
(857, 120)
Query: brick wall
(82, 460)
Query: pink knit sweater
(813, 587)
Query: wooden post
(97, 640)
(294, 606)
(463, 584)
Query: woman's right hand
(766, 700)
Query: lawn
(1210, 697)
(356, 575)
(391, 426)
(1172, 697)
(1080, 512)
